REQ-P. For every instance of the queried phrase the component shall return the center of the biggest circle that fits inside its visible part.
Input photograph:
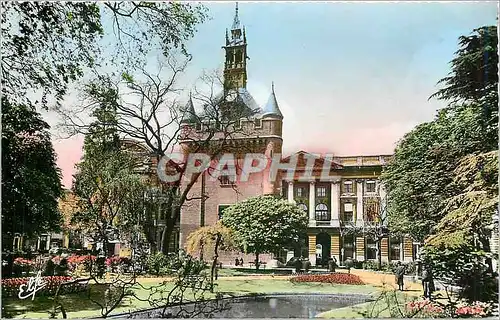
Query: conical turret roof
(271, 107)
(188, 112)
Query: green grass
(378, 309)
(79, 305)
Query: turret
(271, 109)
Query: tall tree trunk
(256, 261)
(379, 253)
(213, 273)
(485, 243)
(167, 235)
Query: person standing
(427, 282)
(400, 272)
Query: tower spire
(236, 21)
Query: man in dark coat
(428, 282)
(332, 264)
(400, 272)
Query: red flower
(338, 278)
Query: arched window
(302, 206)
(322, 212)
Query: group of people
(427, 279)
(238, 262)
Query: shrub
(334, 278)
(157, 263)
(462, 309)
(424, 309)
(475, 309)
(116, 263)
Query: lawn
(79, 305)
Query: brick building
(345, 212)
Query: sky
(350, 78)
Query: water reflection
(280, 306)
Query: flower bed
(425, 309)
(430, 309)
(10, 287)
(334, 278)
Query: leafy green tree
(444, 178)
(31, 181)
(46, 46)
(110, 192)
(265, 224)
(420, 179)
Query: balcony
(324, 223)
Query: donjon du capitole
(352, 199)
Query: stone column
(48, 242)
(312, 249)
(335, 247)
(408, 249)
(360, 248)
(382, 193)
(384, 244)
(359, 204)
(312, 204)
(335, 203)
(290, 192)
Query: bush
(157, 264)
(76, 261)
(117, 263)
(337, 278)
(462, 309)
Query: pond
(265, 306)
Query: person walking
(399, 273)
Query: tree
(444, 176)
(376, 223)
(148, 112)
(208, 241)
(420, 179)
(46, 46)
(110, 193)
(31, 181)
(265, 224)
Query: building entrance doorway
(323, 247)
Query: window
(321, 192)
(395, 249)
(348, 212)
(225, 180)
(371, 211)
(198, 126)
(222, 207)
(258, 123)
(299, 192)
(322, 212)
(371, 248)
(370, 186)
(348, 187)
(303, 207)
(348, 246)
